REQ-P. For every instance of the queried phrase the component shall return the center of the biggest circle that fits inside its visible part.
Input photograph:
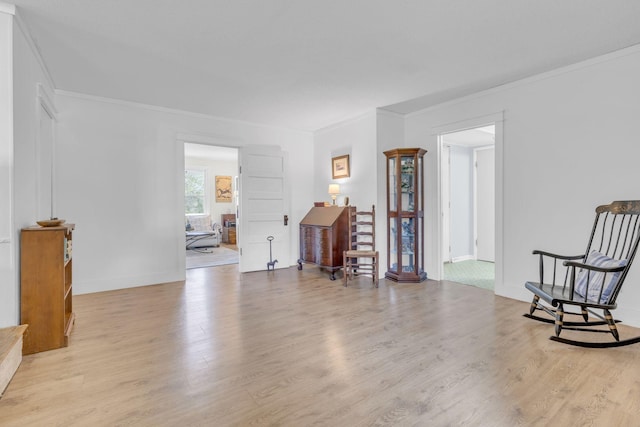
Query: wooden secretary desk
(324, 235)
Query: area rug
(217, 256)
(475, 273)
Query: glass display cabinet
(405, 215)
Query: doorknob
(286, 220)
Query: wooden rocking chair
(361, 259)
(592, 281)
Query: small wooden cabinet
(46, 303)
(229, 229)
(324, 235)
(229, 235)
(405, 215)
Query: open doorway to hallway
(211, 200)
(468, 201)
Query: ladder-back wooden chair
(590, 281)
(362, 258)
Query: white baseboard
(463, 258)
(111, 284)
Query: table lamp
(334, 190)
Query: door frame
(497, 119)
(212, 141)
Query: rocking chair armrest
(593, 267)
(549, 254)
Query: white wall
(569, 144)
(19, 155)
(121, 168)
(365, 139)
(390, 130)
(32, 202)
(214, 168)
(356, 137)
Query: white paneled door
(263, 208)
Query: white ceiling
(307, 64)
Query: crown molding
(7, 8)
(139, 105)
(344, 122)
(620, 53)
(34, 49)
(46, 101)
(384, 112)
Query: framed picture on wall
(223, 189)
(340, 167)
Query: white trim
(34, 49)
(179, 206)
(46, 101)
(156, 108)
(385, 112)
(499, 201)
(463, 258)
(124, 282)
(475, 203)
(444, 178)
(470, 123)
(346, 122)
(43, 102)
(214, 140)
(10, 308)
(631, 50)
(7, 8)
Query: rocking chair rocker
(592, 281)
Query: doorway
(211, 203)
(468, 206)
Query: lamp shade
(334, 189)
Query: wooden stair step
(10, 353)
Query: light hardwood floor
(293, 348)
